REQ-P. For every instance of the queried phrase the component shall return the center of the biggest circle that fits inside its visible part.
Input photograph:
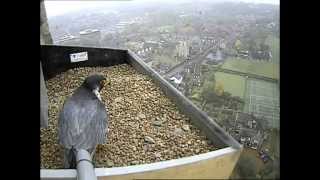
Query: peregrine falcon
(83, 120)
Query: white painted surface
(102, 172)
(77, 57)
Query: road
(180, 67)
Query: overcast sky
(54, 7)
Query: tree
(229, 51)
(226, 95)
(271, 170)
(238, 99)
(267, 169)
(238, 45)
(252, 45)
(247, 167)
(187, 81)
(264, 47)
(207, 92)
(211, 76)
(219, 88)
(262, 123)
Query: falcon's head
(94, 82)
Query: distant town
(223, 56)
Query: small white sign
(76, 57)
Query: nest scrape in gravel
(144, 125)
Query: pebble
(118, 99)
(149, 139)
(186, 127)
(157, 155)
(110, 163)
(178, 132)
(134, 148)
(134, 162)
(157, 123)
(141, 116)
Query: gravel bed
(144, 125)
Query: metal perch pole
(85, 169)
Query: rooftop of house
(88, 31)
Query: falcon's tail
(70, 159)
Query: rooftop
(66, 38)
(88, 31)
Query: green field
(262, 99)
(233, 84)
(266, 69)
